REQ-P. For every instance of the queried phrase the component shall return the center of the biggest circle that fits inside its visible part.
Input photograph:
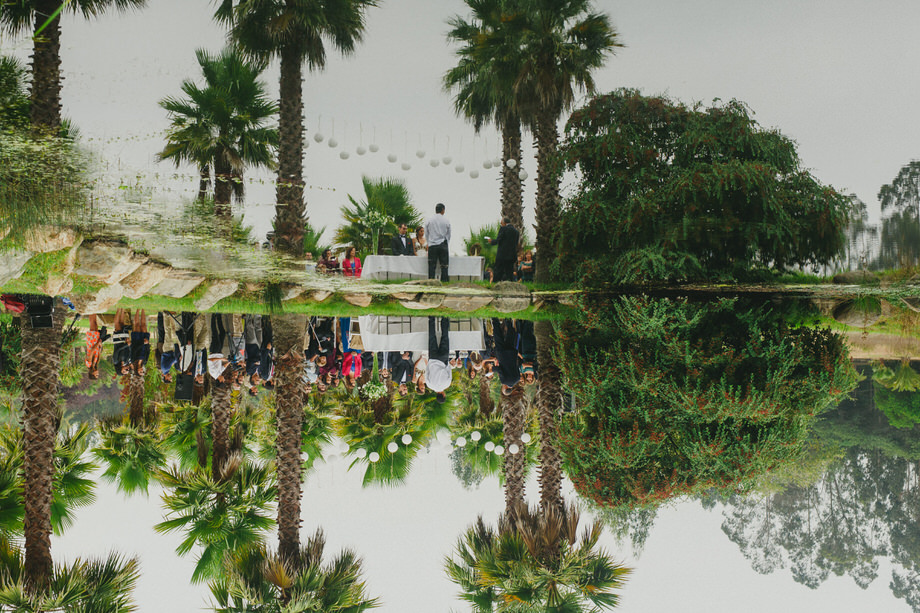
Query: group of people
(511, 264)
(130, 342)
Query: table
(466, 268)
(401, 333)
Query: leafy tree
(312, 241)
(222, 124)
(43, 16)
(295, 33)
(900, 232)
(670, 193)
(389, 197)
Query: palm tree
(15, 17)
(295, 33)
(222, 125)
(484, 78)
(130, 454)
(259, 581)
(387, 196)
(562, 43)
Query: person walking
(437, 229)
(506, 257)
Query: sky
(833, 76)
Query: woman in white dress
(421, 245)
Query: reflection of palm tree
(904, 379)
(549, 402)
(259, 581)
(131, 455)
(514, 413)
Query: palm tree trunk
(41, 355)
(512, 190)
(486, 405)
(135, 399)
(549, 400)
(288, 331)
(290, 214)
(513, 419)
(221, 412)
(223, 187)
(46, 71)
(204, 182)
(547, 138)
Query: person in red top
(93, 347)
(351, 265)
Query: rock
(177, 284)
(320, 295)
(511, 304)
(859, 313)
(510, 288)
(857, 277)
(292, 291)
(56, 285)
(412, 304)
(361, 300)
(104, 300)
(142, 280)
(44, 239)
(404, 295)
(220, 289)
(424, 282)
(109, 262)
(466, 303)
(12, 264)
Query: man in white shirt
(437, 229)
(439, 372)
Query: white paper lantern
(374, 456)
(361, 150)
(318, 137)
(461, 442)
(475, 435)
(511, 163)
(490, 446)
(474, 174)
(523, 175)
(435, 163)
(344, 155)
(447, 160)
(525, 438)
(306, 144)
(406, 166)
(487, 164)
(420, 153)
(459, 168)
(374, 148)
(392, 447)
(391, 158)
(333, 143)
(406, 439)
(499, 450)
(361, 452)
(513, 449)
(496, 162)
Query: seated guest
(351, 265)
(401, 243)
(328, 263)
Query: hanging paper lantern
(435, 163)
(487, 164)
(523, 175)
(475, 435)
(490, 446)
(496, 162)
(525, 438)
(306, 144)
(420, 153)
(406, 439)
(511, 163)
(474, 174)
(513, 448)
(392, 447)
(406, 165)
(318, 137)
(459, 168)
(333, 143)
(461, 442)
(447, 160)
(499, 450)
(344, 155)
(361, 452)
(374, 148)
(391, 158)
(361, 150)
(374, 456)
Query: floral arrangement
(373, 390)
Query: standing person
(94, 340)
(437, 229)
(401, 243)
(439, 371)
(507, 241)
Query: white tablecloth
(388, 333)
(416, 267)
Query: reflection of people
(401, 243)
(504, 335)
(351, 265)
(140, 342)
(419, 242)
(507, 241)
(94, 339)
(437, 229)
(439, 371)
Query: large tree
(900, 232)
(294, 32)
(222, 124)
(43, 16)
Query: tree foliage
(387, 196)
(669, 192)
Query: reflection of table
(468, 268)
(388, 333)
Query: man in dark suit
(402, 244)
(507, 241)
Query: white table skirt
(384, 333)
(416, 267)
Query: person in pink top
(351, 368)
(351, 265)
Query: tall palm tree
(387, 196)
(259, 581)
(295, 32)
(484, 79)
(18, 16)
(222, 124)
(563, 42)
